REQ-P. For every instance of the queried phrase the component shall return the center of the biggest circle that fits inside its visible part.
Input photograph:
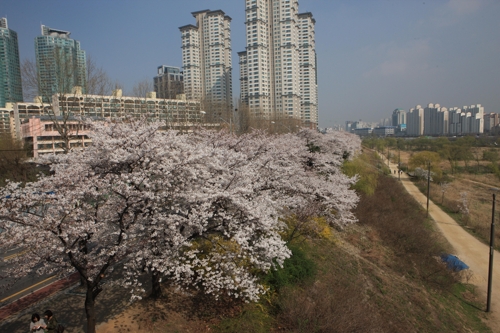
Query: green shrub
(362, 167)
(295, 269)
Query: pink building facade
(41, 136)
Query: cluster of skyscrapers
(433, 120)
(278, 69)
(437, 120)
(60, 63)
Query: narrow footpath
(470, 250)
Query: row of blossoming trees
(201, 209)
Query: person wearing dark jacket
(51, 322)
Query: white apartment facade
(437, 120)
(206, 58)
(279, 60)
(415, 121)
(175, 113)
(467, 120)
(308, 74)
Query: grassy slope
(381, 275)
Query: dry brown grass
(382, 275)
(479, 197)
(479, 194)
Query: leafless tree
(247, 121)
(142, 88)
(29, 79)
(98, 81)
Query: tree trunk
(90, 309)
(156, 286)
(83, 281)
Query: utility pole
(428, 187)
(492, 251)
(399, 162)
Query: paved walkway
(470, 250)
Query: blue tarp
(453, 262)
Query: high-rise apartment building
(61, 63)
(398, 117)
(308, 83)
(206, 60)
(467, 120)
(491, 120)
(436, 120)
(415, 121)
(169, 82)
(10, 70)
(278, 67)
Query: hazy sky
(373, 55)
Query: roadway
(12, 289)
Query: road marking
(15, 255)
(22, 291)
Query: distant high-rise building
(61, 63)
(398, 117)
(169, 83)
(349, 126)
(278, 67)
(491, 120)
(10, 70)
(436, 120)
(415, 121)
(206, 60)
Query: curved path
(470, 250)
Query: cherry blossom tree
(89, 213)
(200, 209)
(232, 224)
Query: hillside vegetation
(382, 274)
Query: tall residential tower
(61, 63)
(278, 68)
(10, 70)
(206, 61)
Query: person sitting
(51, 322)
(37, 324)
